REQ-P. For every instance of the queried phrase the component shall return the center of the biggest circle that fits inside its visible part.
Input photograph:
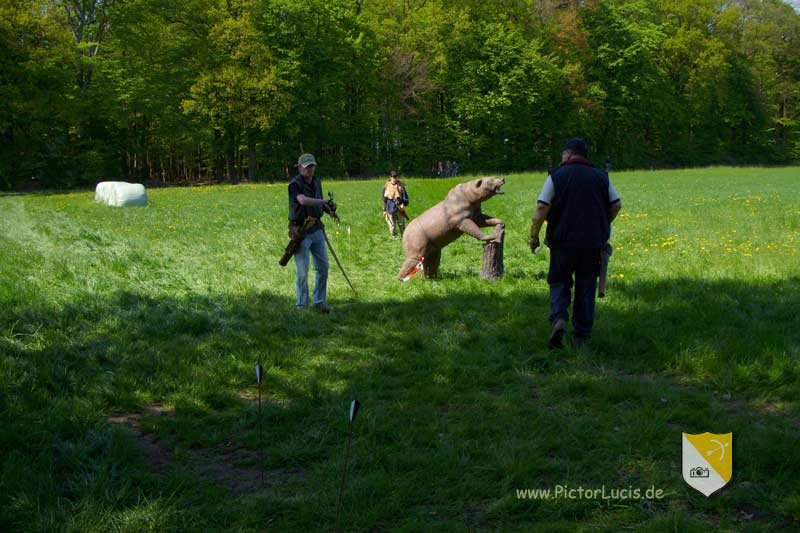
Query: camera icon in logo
(698, 471)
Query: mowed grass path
(106, 311)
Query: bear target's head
(482, 188)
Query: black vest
(297, 212)
(578, 216)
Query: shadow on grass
(462, 402)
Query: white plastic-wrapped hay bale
(103, 191)
(120, 193)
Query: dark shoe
(323, 308)
(581, 341)
(557, 335)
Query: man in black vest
(306, 205)
(579, 203)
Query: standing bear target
(459, 213)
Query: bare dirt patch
(156, 454)
(229, 464)
(236, 468)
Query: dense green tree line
(193, 90)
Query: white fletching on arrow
(354, 405)
(259, 373)
(419, 266)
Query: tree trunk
(230, 158)
(493, 256)
(230, 143)
(219, 156)
(251, 157)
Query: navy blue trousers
(578, 267)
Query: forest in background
(193, 91)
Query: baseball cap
(578, 146)
(306, 160)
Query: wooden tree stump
(493, 255)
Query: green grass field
(156, 317)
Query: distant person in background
(447, 168)
(306, 206)
(454, 169)
(579, 202)
(440, 169)
(395, 200)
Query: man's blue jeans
(314, 243)
(584, 265)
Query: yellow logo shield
(707, 461)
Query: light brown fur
(459, 213)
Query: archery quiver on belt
(297, 232)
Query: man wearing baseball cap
(306, 206)
(579, 202)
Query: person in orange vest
(395, 200)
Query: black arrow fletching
(354, 405)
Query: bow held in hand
(330, 207)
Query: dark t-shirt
(297, 212)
